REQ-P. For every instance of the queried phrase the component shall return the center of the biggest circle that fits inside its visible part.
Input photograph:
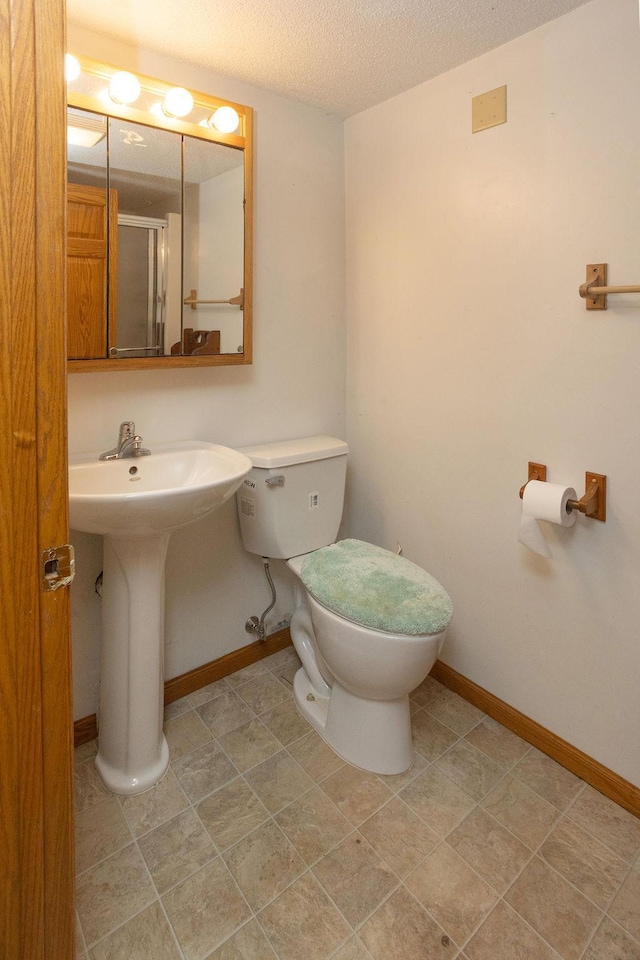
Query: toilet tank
(291, 501)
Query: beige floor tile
(205, 910)
(303, 923)
(356, 793)
(263, 864)
(430, 737)
(112, 892)
(86, 751)
(177, 849)
(355, 877)
(505, 936)
(437, 800)
(225, 713)
(611, 942)
(100, 831)
(231, 813)
(499, 744)
(428, 690)
(495, 853)
(399, 836)
(204, 770)
(177, 708)
(471, 769)
(185, 733)
(279, 781)
(456, 713)
(553, 782)
(314, 756)
(314, 825)
(590, 866)
(89, 788)
(398, 781)
(554, 908)
(522, 811)
(209, 692)
(147, 936)
(402, 930)
(263, 693)
(281, 657)
(286, 722)
(287, 672)
(249, 745)
(249, 943)
(81, 949)
(354, 949)
(606, 821)
(153, 807)
(254, 670)
(452, 892)
(626, 906)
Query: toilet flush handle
(275, 481)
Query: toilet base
(374, 735)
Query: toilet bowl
(368, 625)
(354, 682)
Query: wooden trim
(223, 666)
(50, 271)
(606, 781)
(156, 363)
(86, 729)
(37, 917)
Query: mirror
(159, 228)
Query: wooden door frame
(36, 813)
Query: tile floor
(260, 843)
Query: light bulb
(124, 87)
(71, 68)
(178, 102)
(224, 119)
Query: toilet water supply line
(254, 625)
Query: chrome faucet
(129, 444)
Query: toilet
(368, 624)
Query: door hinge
(58, 567)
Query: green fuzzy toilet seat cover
(376, 588)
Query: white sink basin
(136, 503)
(146, 496)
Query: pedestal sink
(136, 503)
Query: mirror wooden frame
(241, 140)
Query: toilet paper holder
(593, 503)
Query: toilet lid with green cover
(376, 588)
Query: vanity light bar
(223, 121)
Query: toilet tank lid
(376, 588)
(283, 453)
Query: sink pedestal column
(132, 751)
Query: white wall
(295, 387)
(470, 353)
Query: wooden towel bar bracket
(594, 290)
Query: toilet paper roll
(544, 501)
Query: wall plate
(489, 109)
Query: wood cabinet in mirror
(159, 225)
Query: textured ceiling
(341, 56)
